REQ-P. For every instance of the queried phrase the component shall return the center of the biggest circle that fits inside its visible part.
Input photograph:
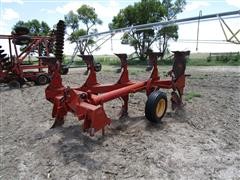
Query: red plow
(87, 101)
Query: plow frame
(86, 102)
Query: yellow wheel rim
(160, 109)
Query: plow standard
(87, 101)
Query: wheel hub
(160, 109)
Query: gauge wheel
(156, 106)
(64, 70)
(97, 67)
(42, 79)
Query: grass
(203, 59)
(214, 62)
(196, 77)
(190, 95)
(195, 59)
(136, 71)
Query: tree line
(84, 21)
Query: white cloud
(48, 11)
(9, 14)
(3, 25)
(70, 6)
(191, 6)
(108, 11)
(235, 3)
(12, 1)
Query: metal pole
(200, 14)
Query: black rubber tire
(98, 67)
(20, 30)
(149, 68)
(22, 40)
(64, 70)
(42, 79)
(151, 106)
(118, 70)
(14, 84)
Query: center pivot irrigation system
(86, 102)
(229, 34)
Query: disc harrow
(13, 69)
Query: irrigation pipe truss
(159, 25)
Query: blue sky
(51, 11)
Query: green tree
(87, 18)
(172, 8)
(143, 12)
(35, 27)
(146, 11)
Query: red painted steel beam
(99, 99)
(99, 88)
(166, 84)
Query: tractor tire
(14, 84)
(20, 30)
(42, 79)
(22, 40)
(64, 70)
(156, 106)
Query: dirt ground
(200, 142)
